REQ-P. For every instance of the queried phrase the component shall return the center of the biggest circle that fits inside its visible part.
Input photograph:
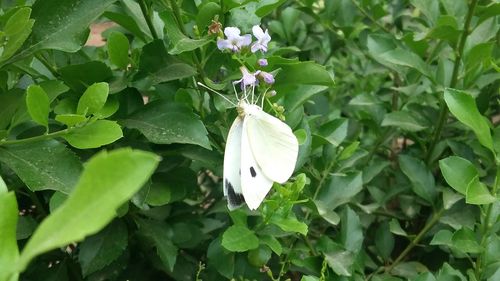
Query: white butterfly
(260, 150)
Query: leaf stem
(147, 17)
(443, 112)
(415, 241)
(36, 138)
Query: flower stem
(443, 112)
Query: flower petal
(257, 32)
(232, 32)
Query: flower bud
(262, 62)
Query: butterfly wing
(274, 146)
(254, 184)
(232, 164)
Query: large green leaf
(43, 165)
(9, 253)
(421, 178)
(463, 107)
(108, 181)
(61, 25)
(166, 122)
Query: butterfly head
(244, 108)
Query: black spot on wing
(252, 172)
(234, 199)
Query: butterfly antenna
(235, 92)
(214, 91)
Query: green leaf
(465, 240)
(265, 7)
(351, 232)
(157, 66)
(220, 258)
(403, 57)
(165, 122)
(297, 95)
(37, 103)
(395, 228)
(17, 29)
(165, 249)
(384, 240)
(239, 238)
(79, 76)
(61, 25)
(70, 120)
(340, 262)
(293, 73)
(93, 135)
(458, 172)
(3, 186)
(9, 253)
(260, 256)
(108, 181)
(10, 101)
(442, 237)
(477, 193)
(334, 131)
(180, 43)
(273, 243)
(206, 13)
(430, 8)
(99, 250)
(463, 107)
(118, 47)
(93, 99)
(341, 189)
(290, 224)
(43, 165)
(421, 178)
(403, 120)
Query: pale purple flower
(262, 62)
(234, 41)
(268, 77)
(262, 37)
(248, 79)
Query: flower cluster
(236, 43)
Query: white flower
(263, 39)
(248, 78)
(234, 41)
